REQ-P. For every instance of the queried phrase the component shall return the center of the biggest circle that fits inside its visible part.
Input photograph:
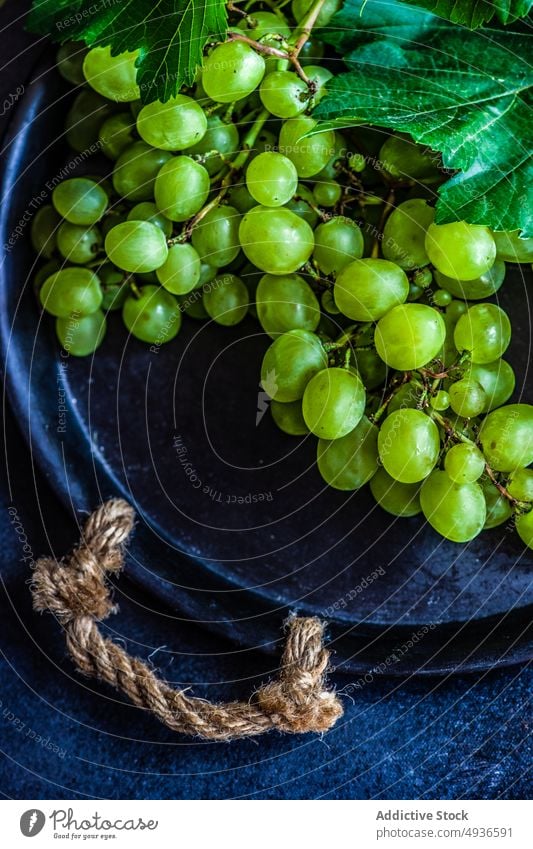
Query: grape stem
(304, 29)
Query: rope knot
(77, 587)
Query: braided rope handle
(77, 593)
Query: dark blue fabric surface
(65, 737)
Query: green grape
(148, 211)
(180, 273)
(226, 300)
(319, 76)
(327, 302)
(175, 125)
(399, 499)
(84, 120)
(78, 244)
(288, 417)
(401, 157)
(511, 248)
(290, 363)
(484, 331)
(467, 397)
(520, 485)
(506, 437)
(303, 205)
(498, 507)
(410, 336)
(136, 246)
(441, 298)
(327, 194)
(275, 240)
(455, 310)
(114, 287)
(221, 139)
(464, 463)
(286, 303)
(114, 216)
(113, 77)
(80, 201)
(153, 316)
(484, 286)
(241, 199)
(216, 236)
(409, 445)
(310, 52)
(44, 272)
(404, 234)
(456, 511)
(69, 60)
(232, 71)
(333, 403)
(71, 290)
(371, 368)
(496, 378)
(194, 306)
(423, 277)
(81, 336)
(330, 171)
(460, 250)
(207, 273)
(271, 179)
(367, 289)
(116, 134)
(259, 23)
(44, 231)
(356, 162)
(300, 8)
(408, 395)
(440, 401)
(309, 154)
(284, 94)
(415, 292)
(136, 170)
(351, 461)
(524, 527)
(181, 188)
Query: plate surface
(236, 527)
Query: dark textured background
(64, 737)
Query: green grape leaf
(476, 13)
(464, 94)
(170, 34)
(361, 21)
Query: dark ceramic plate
(236, 527)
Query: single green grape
(113, 77)
(44, 231)
(407, 396)
(524, 527)
(484, 331)
(440, 401)
(520, 485)
(351, 461)
(153, 316)
(285, 303)
(116, 134)
(402, 158)
(441, 298)
(181, 188)
(506, 437)
(44, 272)
(175, 125)
(232, 71)
(193, 305)
(456, 511)
(511, 248)
(464, 463)
(327, 302)
(220, 141)
(81, 336)
(333, 403)
(115, 289)
(226, 300)
(356, 162)
(284, 94)
(261, 23)
(136, 246)
(371, 368)
(399, 499)
(496, 378)
(409, 445)
(80, 201)
(303, 205)
(290, 363)
(300, 8)
(327, 193)
(484, 286)
(423, 277)
(319, 76)
(467, 397)
(337, 154)
(275, 240)
(409, 336)
(460, 250)
(136, 170)
(71, 291)
(180, 273)
(309, 154)
(241, 199)
(69, 61)
(455, 310)
(498, 507)
(216, 236)
(78, 244)
(84, 119)
(404, 234)
(148, 211)
(367, 289)
(288, 417)
(271, 179)
(338, 242)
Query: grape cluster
(226, 200)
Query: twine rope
(77, 592)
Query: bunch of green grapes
(227, 201)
